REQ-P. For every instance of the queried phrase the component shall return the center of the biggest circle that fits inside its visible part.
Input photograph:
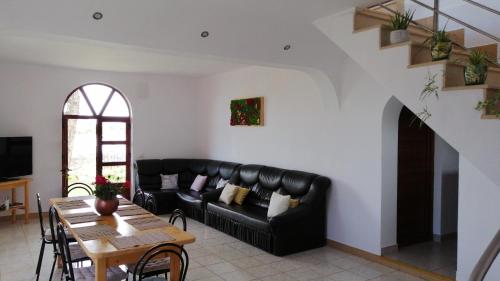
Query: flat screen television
(16, 157)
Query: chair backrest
(54, 220)
(79, 186)
(139, 198)
(65, 253)
(40, 215)
(150, 204)
(160, 251)
(178, 213)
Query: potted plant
(441, 45)
(399, 25)
(105, 192)
(476, 69)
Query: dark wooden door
(415, 180)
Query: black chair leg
(40, 258)
(53, 267)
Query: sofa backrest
(263, 181)
(148, 171)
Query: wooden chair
(87, 190)
(158, 253)
(81, 273)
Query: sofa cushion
(252, 216)
(189, 195)
(148, 173)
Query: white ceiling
(163, 36)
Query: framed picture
(247, 112)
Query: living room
(324, 111)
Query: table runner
(95, 232)
(147, 223)
(150, 238)
(124, 201)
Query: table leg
(12, 200)
(26, 203)
(100, 270)
(175, 267)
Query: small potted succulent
(476, 69)
(399, 25)
(105, 192)
(441, 45)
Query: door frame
(99, 141)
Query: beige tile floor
(439, 257)
(214, 256)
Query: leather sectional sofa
(298, 229)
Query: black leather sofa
(148, 180)
(298, 229)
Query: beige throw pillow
(228, 193)
(278, 205)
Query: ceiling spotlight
(205, 34)
(287, 47)
(97, 16)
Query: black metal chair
(158, 253)
(46, 239)
(81, 273)
(160, 266)
(76, 251)
(178, 213)
(150, 203)
(139, 198)
(80, 186)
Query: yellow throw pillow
(241, 195)
(294, 203)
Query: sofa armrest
(292, 216)
(211, 195)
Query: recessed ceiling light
(205, 34)
(287, 47)
(97, 15)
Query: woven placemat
(147, 223)
(132, 211)
(124, 201)
(83, 217)
(95, 232)
(150, 238)
(74, 204)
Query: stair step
(429, 63)
(472, 87)
(491, 93)
(365, 18)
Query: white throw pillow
(278, 205)
(221, 183)
(228, 193)
(169, 181)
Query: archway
(96, 131)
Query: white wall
(445, 215)
(303, 132)
(478, 219)
(31, 101)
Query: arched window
(96, 137)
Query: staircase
(402, 70)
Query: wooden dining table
(103, 253)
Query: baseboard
(444, 237)
(20, 217)
(390, 249)
(407, 268)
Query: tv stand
(13, 184)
